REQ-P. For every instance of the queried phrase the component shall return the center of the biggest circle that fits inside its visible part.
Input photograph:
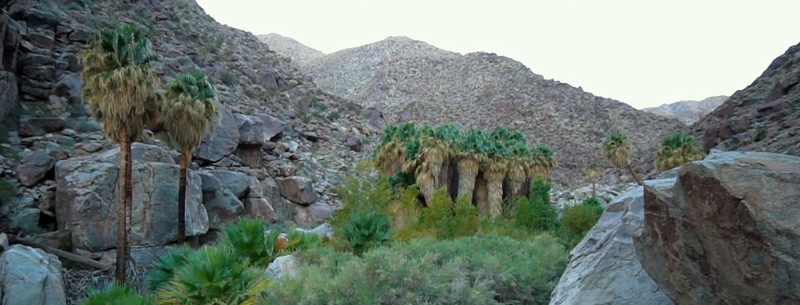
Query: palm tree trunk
(467, 172)
(494, 185)
(182, 197)
(594, 189)
(482, 196)
(128, 202)
(635, 177)
(122, 230)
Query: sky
(644, 53)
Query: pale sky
(644, 53)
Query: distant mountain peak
(688, 111)
(290, 47)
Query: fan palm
(471, 152)
(517, 168)
(594, 171)
(189, 115)
(677, 150)
(120, 85)
(617, 150)
(542, 162)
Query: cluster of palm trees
(474, 163)
(124, 92)
(675, 150)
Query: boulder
(235, 182)
(251, 130)
(223, 207)
(87, 195)
(224, 140)
(286, 265)
(69, 85)
(603, 267)
(297, 189)
(280, 205)
(259, 208)
(727, 232)
(311, 215)
(272, 126)
(34, 167)
(40, 126)
(353, 142)
(31, 276)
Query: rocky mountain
(280, 143)
(688, 111)
(413, 81)
(291, 48)
(761, 117)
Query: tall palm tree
(617, 150)
(119, 85)
(677, 150)
(594, 172)
(471, 153)
(542, 162)
(189, 114)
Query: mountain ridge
(413, 81)
(688, 111)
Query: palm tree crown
(190, 109)
(617, 150)
(676, 150)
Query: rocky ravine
(279, 146)
(761, 117)
(414, 81)
(688, 111)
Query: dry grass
(79, 282)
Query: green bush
(214, 275)
(8, 189)
(166, 266)
(443, 219)
(480, 269)
(367, 230)
(246, 237)
(228, 79)
(578, 220)
(114, 294)
(361, 191)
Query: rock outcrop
(30, 276)
(87, 195)
(727, 232)
(761, 117)
(603, 268)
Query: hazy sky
(644, 53)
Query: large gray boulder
(34, 167)
(236, 182)
(297, 189)
(224, 140)
(727, 232)
(87, 196)
(603, 267)
(30, 276)
(223, 207)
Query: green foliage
(8, 190)
(535, 216)
(114, 294)
(401, 179)
(333, 116)
(247, 239)
(443, 219)
(228, 79)
(762, 134)
(480, 269)
(166, 266)
(362, 191)
(578, 220)
(214, 275)
(367, 230)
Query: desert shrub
(535, 215)
(166, 266)
(247, 239)
(333, 116)
(361, 191)
(578, 220)
(443, 219)
(213, 275)
(8, 189)
(228, 79)
(367, 230)
(480, 269)
(114, 294)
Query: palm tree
(119, 85)
(594, 172)
(677, 150)
(189, 115)
(543, 161)
(471, 153)
(617, 150)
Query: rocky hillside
(279, 146)
(761, 117)
(291, 48)
(414, 81)
(688, 111)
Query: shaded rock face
(727, 232)
(30, 276)
(603, 268)
(224, 140)
(87, 194)
(8, 85)
(34, 167)
(297, 189)
(40, 126)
